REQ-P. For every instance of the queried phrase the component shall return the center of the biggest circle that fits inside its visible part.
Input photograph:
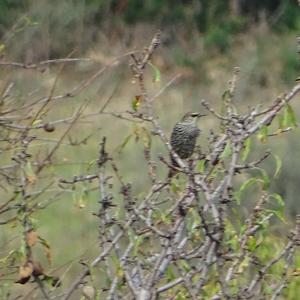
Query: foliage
(54, 22)
(218, 38)
(290, 65)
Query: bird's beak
(198, 115)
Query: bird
(184, 137)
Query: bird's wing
(178, 138)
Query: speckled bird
(184, 138)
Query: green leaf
(181, 296)
(278, 165)
(277, 213)
(136, 102)
(166, 218)
(264, 182)
(279, 199)
(170, 274)
(265, 178)
(22, 249)
(29, 173)
(13, 256)
(292, 115)
(105, 277)
(263, 134)
(244, 264)
(125, 142)
(251, 244)
(156, 75)
(51, 280)
(147, 138)
(82, 199)
(280, 121)
(196, 219)
(289, 118)
(138, 241)
(131, 235)
(246, 150)
(251, 181)
(91, 164)
(201, 165)
(184, 265)
(227, 151)
(225, 95)
(234, 242)
(175, 186)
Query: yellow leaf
(2, 47)
(36, 122)
(81, 203)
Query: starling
(184, 137)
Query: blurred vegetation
(56, 20)
(202, 40)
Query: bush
(187, 236)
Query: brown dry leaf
(31, 237)
(136, 102)
(23, 280)
(31, 179)
(29, 172)
(296, 272)
(47, 249)
(37, 269)
(26, 269)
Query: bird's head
(191, 117)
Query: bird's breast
(183, 139)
